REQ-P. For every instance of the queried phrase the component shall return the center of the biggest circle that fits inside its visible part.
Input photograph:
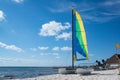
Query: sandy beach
(96, 75)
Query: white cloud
(56, 49)
(2, 15)
(43, 48)
(33, 49)
(55, 54)
(13, 47)
(10, 47)
(66, 48)
(53, 28)
(18, 1)
(44, 54)
(64, 36)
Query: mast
(72, 37)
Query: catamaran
(79, 44)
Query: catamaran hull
(66, 71)
(75, 71)
(84, 71)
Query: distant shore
(96, 75)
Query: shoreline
(96, 75)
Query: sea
(9, 73)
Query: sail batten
(80, 42)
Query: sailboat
(79, 44)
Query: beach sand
(96, 75)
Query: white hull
(84, 71)
(66, 71)
(75, 71)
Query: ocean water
(7, 73)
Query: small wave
(12, 73)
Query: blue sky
(38, 32)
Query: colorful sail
(80, 43)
